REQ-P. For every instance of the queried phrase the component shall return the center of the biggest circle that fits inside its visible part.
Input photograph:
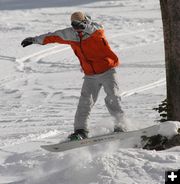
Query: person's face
(78, 26)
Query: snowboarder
(98, 61)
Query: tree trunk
(170, 10)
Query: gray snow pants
(89, 94)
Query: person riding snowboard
(98, 61)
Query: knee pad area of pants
(113, 100)
(113, 103)
(86, 101)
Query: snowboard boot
(78, 135)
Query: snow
(40, 88)
(169, 128)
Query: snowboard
(69, 145)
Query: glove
(27, 41)
(79, 25)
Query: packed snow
(40, 87)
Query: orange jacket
(90, 46)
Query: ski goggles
(78, 24)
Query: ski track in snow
(39, 98)
(144, 88)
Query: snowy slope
(40, 87)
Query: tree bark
(170, 10)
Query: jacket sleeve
(64, 36)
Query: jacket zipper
(104, 41)
(85, 55)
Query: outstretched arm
(63, 36)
